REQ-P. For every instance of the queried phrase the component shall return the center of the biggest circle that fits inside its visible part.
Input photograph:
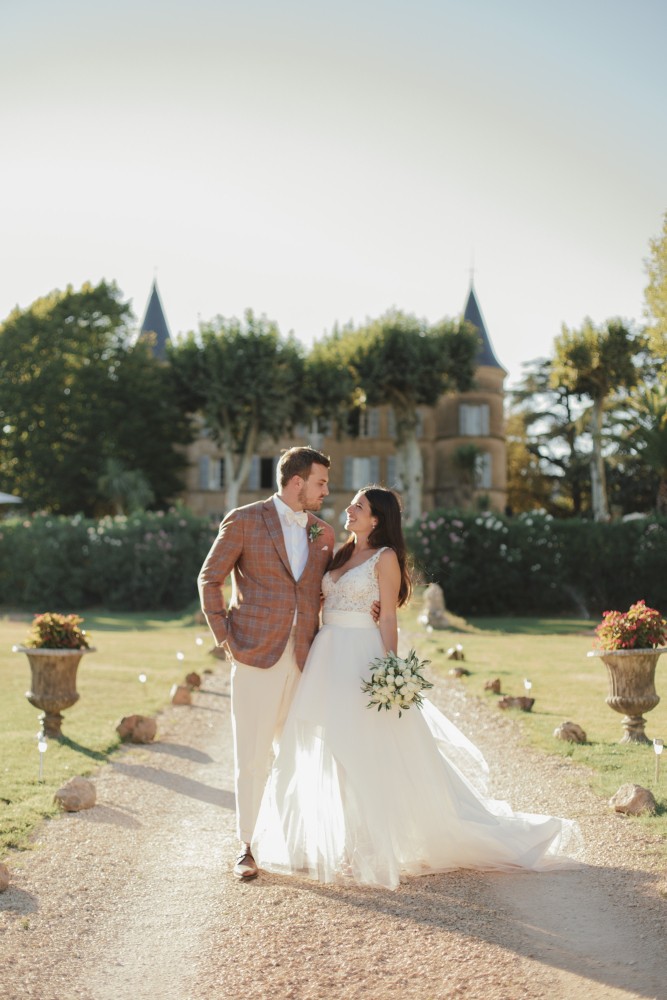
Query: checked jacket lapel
(274, 528)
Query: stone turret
(154, 327)
(474, 418)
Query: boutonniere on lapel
(314, 532)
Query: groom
(277, 553)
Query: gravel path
(134, 898)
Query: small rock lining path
(134, 897)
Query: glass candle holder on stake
(658, 746)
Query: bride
(367, 795)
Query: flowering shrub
(638, 628)
(143, 561)
(487, 563)
(54, 631)
(490, 564)
(396, 682)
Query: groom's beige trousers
(261, 698)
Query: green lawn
(550, 652)
(566, 685)
(127, 645)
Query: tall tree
(593, 363)
(401, 361)
(74, 392)
(646, 436)
(245, 379)
(529, 485)
(656, 295)
(550, 425)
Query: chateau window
(369, 423)
(360, 472)
(253, 475)
(474, 419)
(267, 473)
(483, 471)
(313, 432)
(211, 473)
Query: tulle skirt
(357, 793)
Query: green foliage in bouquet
(396, 682)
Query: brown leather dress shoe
(245, 867)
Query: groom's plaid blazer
(256, 625)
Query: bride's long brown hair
(388, 531)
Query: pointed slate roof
(473, 315)
(155, 323)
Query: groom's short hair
(298, 462)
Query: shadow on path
(181, 750)
(578, 922)
(178, 783)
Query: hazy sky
(323, 162)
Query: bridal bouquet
(396, 682)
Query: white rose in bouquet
(396, 682)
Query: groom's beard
(306, 503)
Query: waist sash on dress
(348, 619)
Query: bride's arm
(389, 579)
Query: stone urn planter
(629, 644)
(53, 684)
(54, 648)
(632, 691)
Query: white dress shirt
(296, 540)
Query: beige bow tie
(296, 517)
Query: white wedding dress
(357, 793)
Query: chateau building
(462, 440)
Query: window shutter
(483, 471)
(348, 473)
(203, 472)
(253, 474)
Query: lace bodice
(355, 590)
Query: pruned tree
(245, 380)
(401, 361)
(593, 363)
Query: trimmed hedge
(489, 564)
(135, 563)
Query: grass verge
(566, 685)
(108, 682)
(550, 652)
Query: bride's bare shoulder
(387, 559)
